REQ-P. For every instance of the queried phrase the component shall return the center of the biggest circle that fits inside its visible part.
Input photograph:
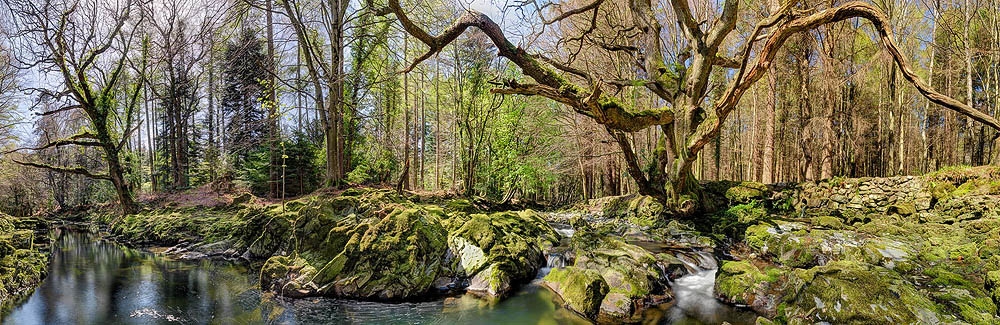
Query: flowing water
(93, 281)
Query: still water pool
(94, 281)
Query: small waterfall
(694, 294)
(697, 261)
(564, 230)
(695, 298)
(553, 259)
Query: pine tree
(246, 124)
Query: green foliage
(245, 63)
(373, 165)
(302, 166)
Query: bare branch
(795, 25)
(60, 110)
(71, 170)
(566, 14)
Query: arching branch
(590, 102)
(792, 25)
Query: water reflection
(94, 281)
(97, 282)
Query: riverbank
(868, 250)
(24, 256)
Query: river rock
(395, 257)
(635, 278)
(22, 262)
(992, 285)
(742, 283)
(499, 250)
(581, 290)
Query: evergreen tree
(246, 124)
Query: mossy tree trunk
(95, 77)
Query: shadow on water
(93, 281)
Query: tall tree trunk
(437, 123)
(767, 156)
(274, 165)
(404, 178)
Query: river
(95, 281)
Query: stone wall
(865, 195)
(970, 192)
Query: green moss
(644, 211)
(758, 235)
(22, 264)
(903, 208)
(992, 285)
(941, 191)
(746, 192)
(941, 276)
(964, 252)
(831, 293)
(828, 222)
(582, 290)
(739, 281)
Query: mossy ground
(897, 266)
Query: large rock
(499, 250)
(394, 257)
(853, 292)
(635, 277)
(581, 290)
(742, 283)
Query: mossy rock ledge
(22, 260)
(349, 246)
(899, 250)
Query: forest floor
(870, 250)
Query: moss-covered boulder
(397, 256)
(640, 211)
(743, 283)
(636, 278)
(745, 192)
(992, 285)
(581, 290)
(288, 276)
(855, 292)
(499, 250)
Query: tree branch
(566, 14)
(60, 110)
(603, 109)
(71, 170)
(76, 140)
(793, 25)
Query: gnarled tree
(693, 114)
(87, 44)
